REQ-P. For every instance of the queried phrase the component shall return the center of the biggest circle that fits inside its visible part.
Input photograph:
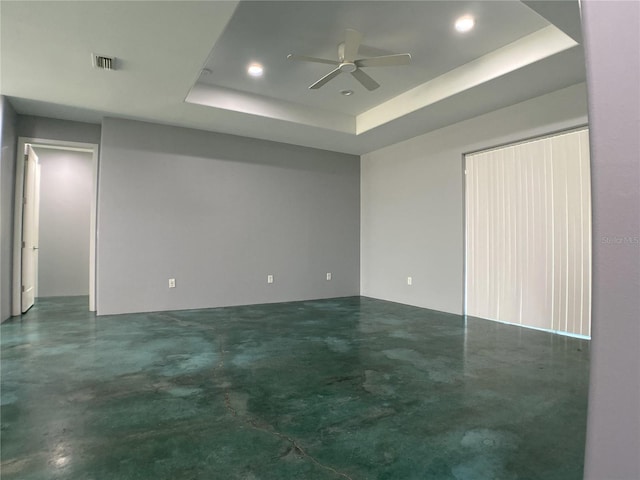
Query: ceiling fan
(347, 62)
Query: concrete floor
(349, 388)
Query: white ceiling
(513, 54)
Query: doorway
(528, 234)
(55, 208)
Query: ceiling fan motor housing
(348, 67)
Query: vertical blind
(528, 234)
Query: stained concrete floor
(349, 388)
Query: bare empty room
(320, 240)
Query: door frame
(92, 148)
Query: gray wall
(65, 212)
(54, 129)
(612, 32)
(219, 213)
(7, 191)
(412, 200)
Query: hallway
(349, 388)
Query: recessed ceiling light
(346, 93)
(206, 71)
(255, 70)
(465, 23)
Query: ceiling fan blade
(351, 44)
(385, 61)
(329, 76)
(366, 81)
(304, 58)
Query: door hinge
(26, 157)
(24, 200)
(23, 289)
(24, 245)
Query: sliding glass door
(528, 234)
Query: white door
(29, 230)
(36, 230)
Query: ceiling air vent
(103, 62)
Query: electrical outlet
(328, 275)
(172, 283)
(409, 281)
(269, 278)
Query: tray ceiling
(517, 51)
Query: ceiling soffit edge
(525, 51)
(262, 106)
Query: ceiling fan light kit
(348, 63)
